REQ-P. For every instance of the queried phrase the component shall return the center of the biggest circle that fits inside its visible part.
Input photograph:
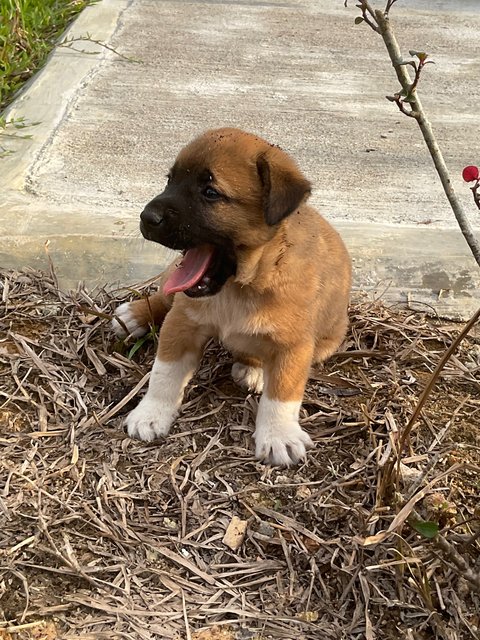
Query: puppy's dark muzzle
(152, 218)
(160, 225)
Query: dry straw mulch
(105, 537)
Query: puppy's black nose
(151, 217)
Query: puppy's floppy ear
(284, 187)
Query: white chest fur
(230, 315)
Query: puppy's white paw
(150, 420)
(282, 449)
(249, 378)
(279, 439)
(129, 319)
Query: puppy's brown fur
(286, 305)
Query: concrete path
(297, 72)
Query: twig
(397, 98)
(185, 617)
(390, 4)
(115, 514)
(476, 193)
(367, 9)
(24, 582)
(407, 510)
(433, 378)
(368, 14)
(68, 42)
(22, 627)
(471, 539)
(449, 550)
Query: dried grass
(105, 537)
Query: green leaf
(421, 55)
(426, 529)
(358, 20)
(137, 346)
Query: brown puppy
(262, 272)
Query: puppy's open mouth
(202, 272)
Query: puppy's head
(227, 193)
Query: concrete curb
(430, 269)
(39, 101)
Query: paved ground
(295, 71)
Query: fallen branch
(67, 43)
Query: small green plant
(425, 528)
(151, 336)
(10, 129)
(29, 30)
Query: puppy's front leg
(179, 351)
(279, 439)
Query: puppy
(261, 271)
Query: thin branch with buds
(368, 15)
(408, 94)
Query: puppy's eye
(211, 194)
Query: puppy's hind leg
(139, 315)
(326, 345)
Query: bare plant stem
(433, 378)
(418, 113)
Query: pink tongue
(191, 270)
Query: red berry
(470, 173)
